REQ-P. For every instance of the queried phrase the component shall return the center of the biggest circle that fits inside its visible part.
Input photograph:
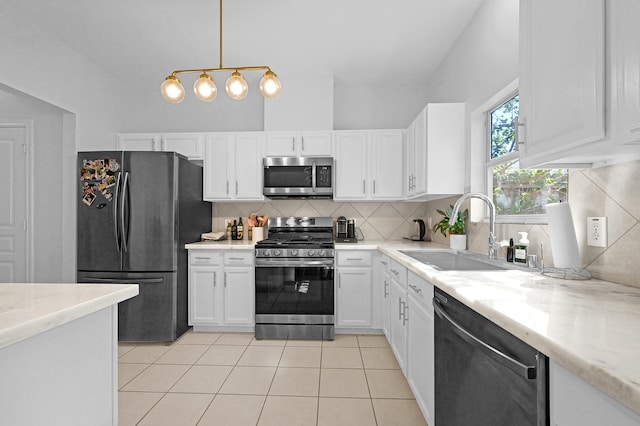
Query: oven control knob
(294, 252)
(276, 252)
(322, 253)
(266, 252)
(311, 252)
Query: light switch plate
(597, 231)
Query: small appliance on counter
(345, 230)
(419, 231)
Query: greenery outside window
(519, 194)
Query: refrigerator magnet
(107, 194)
(112, 164)
(88, 198)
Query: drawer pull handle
(416, 289)
(395, 272)
(355, 258)
(203, 258)
(236, 258)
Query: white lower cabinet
(575, 402)
(420, 344)
(398, 313)
(354, 289)
(383, 288)
(221, 290)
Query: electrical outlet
(597, 231)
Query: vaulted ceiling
(358, 41)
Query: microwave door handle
(313, 176)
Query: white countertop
(590, 327)
(30, 309)
(221, 245)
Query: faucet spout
(493, 244)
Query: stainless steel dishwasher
(483, 374)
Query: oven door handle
(269, 263)
(512, 364)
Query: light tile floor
(233, 379)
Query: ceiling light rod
(205, 88)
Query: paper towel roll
(562, 234)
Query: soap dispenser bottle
(520, 249)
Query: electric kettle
(419, 230)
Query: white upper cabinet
(191, 145)
(233, 166)
(562, 75)
(579, 82)
(369, 164)
(623, 17)
(435, 152)
(298, 144)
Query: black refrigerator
(136, 211)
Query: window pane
(519, 191)
(503, 127)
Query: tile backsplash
(377, 221)
(611, 191)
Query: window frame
(489, 163)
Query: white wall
(91, 107)
(483, 61)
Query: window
(519, 194)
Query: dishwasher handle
(512, 364)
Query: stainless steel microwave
(298, 177)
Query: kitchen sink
(451, 261)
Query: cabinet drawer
(421, 289)
(354, 258)
(398, 273)
(201, 257)
(239, 258)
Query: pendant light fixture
(205, 88)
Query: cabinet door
(444, 157)
(216, 167)
(420, 354)
(239, 305)
(191, 145)
(572, 401)
(562, 76)
(138, 142)
(247, 184)
(417, 156)
(351, 165)
(354, 297)
(281, 144)
(387, 173)
(315, 144)
(624, 16)
(398, 307)
(205, 305)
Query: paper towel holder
(562, 273)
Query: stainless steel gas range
(295, 279)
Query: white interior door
(13, 207)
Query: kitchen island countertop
(29, 309)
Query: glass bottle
(234, 230)
(240, 230)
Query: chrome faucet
(493, 244)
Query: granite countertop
(30, 309)
(590, 327)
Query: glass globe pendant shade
(236, 86)
(172, 90)
(204, 88)
(270, 85)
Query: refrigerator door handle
(126, 280)
(124, 205)
(116, 229)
